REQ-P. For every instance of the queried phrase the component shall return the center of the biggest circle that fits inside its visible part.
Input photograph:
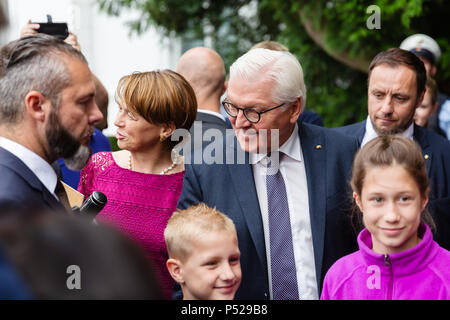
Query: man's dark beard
(59, 139)
(381, 132)
(395, 131)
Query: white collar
(212, 113)
(41, 168)
(371, 133)
(291, 148)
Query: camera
(59, 30)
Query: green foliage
(113, 143)
(335, 90)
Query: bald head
(203, 68)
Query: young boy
(429, 104)
(203, 253)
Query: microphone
(94, 204)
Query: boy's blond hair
(187, 225)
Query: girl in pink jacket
(397, 257)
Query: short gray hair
(280, 66)
(32, 63)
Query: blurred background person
(306, 115)
(12, 285)
(203, 68)
(428, 50)
(102, 101)
(67, 257)
(143, 180)
(68, 170)
(428, 106)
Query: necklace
(162, 172)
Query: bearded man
(47, 111)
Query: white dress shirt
(41, 168)
(371, 134)
(292, 169)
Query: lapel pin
(426, 157)
(319, 146)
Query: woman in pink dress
(143, 180)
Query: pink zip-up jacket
(419, 273)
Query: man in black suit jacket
(47, 111)
(264, 99)
(203, 68)
(396, 88)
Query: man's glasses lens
(230, 109)
(250, 114)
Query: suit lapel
(51, 200)
(314, 155)
(244, 186)
(11, 161)
(361, 131)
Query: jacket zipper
(387, 263)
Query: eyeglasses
(250, 114)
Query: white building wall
(105, 41)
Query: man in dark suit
(47, 111)
(283, 184)
(396, 88)
(203, 68)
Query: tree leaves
(335, 90)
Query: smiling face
(392, 98)
(257, 137)
(212, 271)
(391, 204)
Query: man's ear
(174, 267)
(225, 86)
(297, 108)
(36, 105)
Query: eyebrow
(87, 96)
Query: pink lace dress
(139, 205)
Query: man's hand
(32, 28)
(73, 41)
(29, 29)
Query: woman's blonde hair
(160, 97)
